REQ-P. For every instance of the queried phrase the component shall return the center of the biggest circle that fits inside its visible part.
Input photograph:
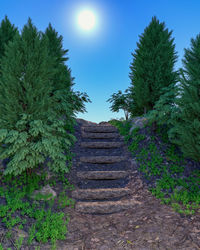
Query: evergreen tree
(68, 102)
(152, 66)
(7, 33)
(186, 124)
(25, 86)
(61, 79)
(134, 109)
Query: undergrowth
(184, 195)
(172, 188)
(14, 211)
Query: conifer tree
(25, 107)
(134, 109)
(7, 33)
(186, 124)
(151, 70)
(68, 102)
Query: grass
(47, 225)
(184, 199)
(184, 195)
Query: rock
(104, 123)
(101, 144)
(86, 123)
(99, 129)
(102, 159)
(46, 190)
(100, 135)
(80, 121)
(100, 194)
(138, 122)
(106, 207)
(102, 175)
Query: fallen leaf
(129, 242)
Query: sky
(100, 57)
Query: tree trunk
(145, 110)
(126, 115)
(29, 171)
(154, 126)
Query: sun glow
(86, 20)
(86, 24)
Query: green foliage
(7, 34)
(35, 91)
(186, 127)
(125, 102)
(48, 229)
(135, 110)
(163, 111)
(154, 89)
(183, 122)
(151, 74)
(29, 125)
(122, 101)
(153, 64)
(67, 101)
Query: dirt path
(150, 225)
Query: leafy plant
(122, 101)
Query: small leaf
(129, 242)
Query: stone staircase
(102, 191)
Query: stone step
(101, 175)
(102, 159)
(105, 206)
(101, 144)
(99, 135)
(100, 193)
(99, 129)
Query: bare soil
(150, 225)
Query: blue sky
(100, 58)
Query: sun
(86, 20)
